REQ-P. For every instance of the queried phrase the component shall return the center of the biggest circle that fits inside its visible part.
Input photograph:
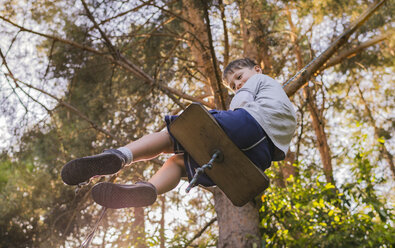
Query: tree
(115, 68)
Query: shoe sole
(82, 169)
(123, 196)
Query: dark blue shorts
(243, 130)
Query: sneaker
(112, 195)
(82, 169)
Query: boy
(261, 122)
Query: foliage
(309, 212)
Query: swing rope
(89, 238)
(200, 170)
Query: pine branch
(297, 81)
(172, 13)
(121, 61)
(52, 37)
(68, 106)
(348, 53)
(107, 42)
(126, 12)
(162, 24)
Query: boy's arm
(242, 97)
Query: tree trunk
(138, 228)
(319, 129)
(162, 221)
(238, 226)
(284, 170)
(254, 32)
(287, 169)
(200, 41)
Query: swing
(200, 134)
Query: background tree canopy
(78, 77)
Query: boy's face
(237, 79)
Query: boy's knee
(178, 159)
(170, 145)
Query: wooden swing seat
(200, 135)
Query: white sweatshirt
(265, 100)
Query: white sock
(128, 154)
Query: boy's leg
(150, 146)
(169, 175)
(142, 193)
(111, 161)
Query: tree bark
(319, 129)
(162, 221)
(254, 32)
(200, 42)
(138, 227)
(238, 226)
(287, 169)
(226, 35)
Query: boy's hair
(238, 64)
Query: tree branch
(156, 28)
(172, 13)
(385, 153)
(219, 86)
(347, 53)
(197, 235)
(126, 12)
(297, 81)
(72, 43)
(107, 42)
(226, 35)
(122, 61)
(68, 106)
